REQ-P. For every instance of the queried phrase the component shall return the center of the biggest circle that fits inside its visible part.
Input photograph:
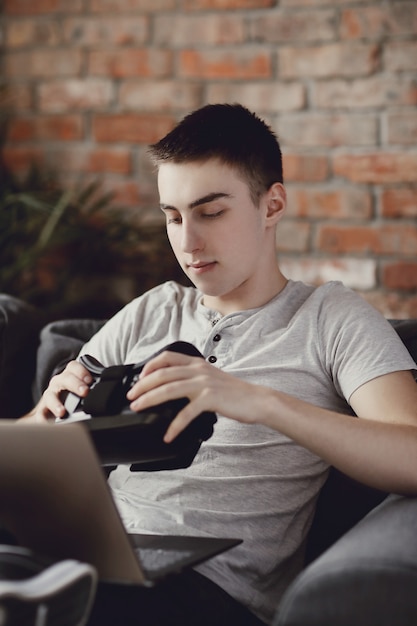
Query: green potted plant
(71, 251)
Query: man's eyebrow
(210, 197)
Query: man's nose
(191, 239)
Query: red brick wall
(92, 82)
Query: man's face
(215, 230)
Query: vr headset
(124, 436)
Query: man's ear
(276, 199)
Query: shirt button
(212, 359)
(216, 338)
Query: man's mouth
(199, 267)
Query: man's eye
(213, 215)
(173, 220)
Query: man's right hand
(75, 378)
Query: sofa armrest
(367, 577)
(20, 325)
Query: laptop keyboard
(154, 560)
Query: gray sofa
(361, 553)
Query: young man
(287, 367)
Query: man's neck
(246, 297)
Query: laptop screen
(54, 498)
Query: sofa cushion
(342, 503)
(407, 330)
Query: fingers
(167, 359)
(75, 378)
(171, 376)
(167, 377)
(164, 385)
(196, 392)
(182, 420)
(161, 370)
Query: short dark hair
(233, 135)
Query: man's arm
(379, 449)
